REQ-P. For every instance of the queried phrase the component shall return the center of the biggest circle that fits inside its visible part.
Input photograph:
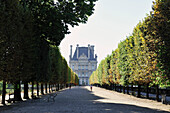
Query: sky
(112, 22)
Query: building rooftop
(83, 50)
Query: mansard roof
(81, 51)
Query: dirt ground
(82, 100)
(115, 97)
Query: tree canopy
(143, 57)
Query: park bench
(163, 99)
(51, 97)
(11, 99)
(53, 90)
(164, 92)
(34, 96)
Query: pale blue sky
(111, 22)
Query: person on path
(91, 87)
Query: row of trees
(58, 69)
(30, 31)
(142, 58)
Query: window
(86, 73)
(73, 67)
(92, 67)
(82, 81)
(82, 67)
(87, 81)
(82, 73)
(87, 67)
(79, 67)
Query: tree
(11, 32)
(158, 32)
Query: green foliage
(12, 33)
(58, 70)
(159, 32)
(144, 56)
(30, 32)
(51, 20)
(100, 72)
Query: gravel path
(82, 100)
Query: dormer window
(73, 67)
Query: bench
(34, 96)
(11, 99)
(53, 90)
(52, 97)
(163, 99)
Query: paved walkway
(82, 100)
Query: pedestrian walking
(91, 87)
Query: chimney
(71, 51)
(88, 51)
(77, 51)
(96, 56)
(92, 48)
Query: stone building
(83, 62)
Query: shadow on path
(77, 100)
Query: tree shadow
(107, 107)
(79, 100)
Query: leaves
(143, 57)
(30, 32)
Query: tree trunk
(26, 90)
(32, 95)
(3, 92)
(46, 88)
(120, 88)
(132, 89)
(66, 85)
(17, 91)
(58, 87)
(157, 92)
(124, 89)
(147, 91)
(139, 92)
(49, 88)
(42, 89)
(38, 89)
(115, 87)
(110, 87)
(127, 89)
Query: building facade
(83, 62)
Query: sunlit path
(82, 100)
